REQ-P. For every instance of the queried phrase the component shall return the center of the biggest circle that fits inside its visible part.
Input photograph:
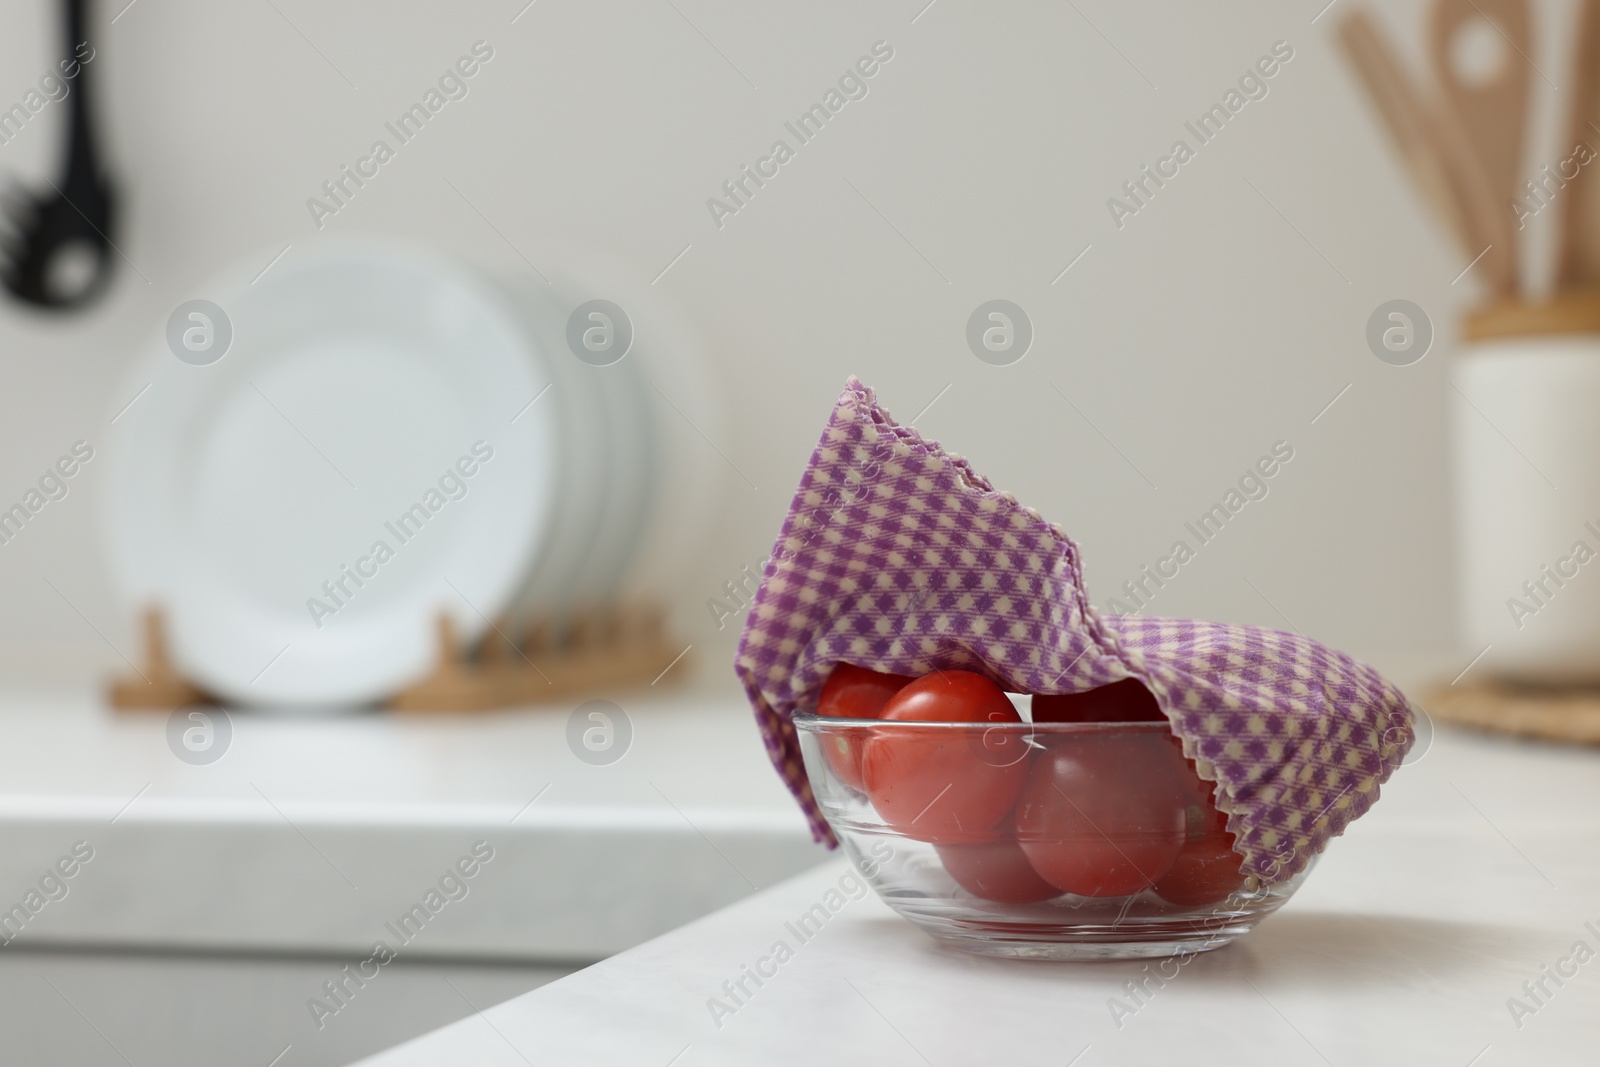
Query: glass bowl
(973, 829)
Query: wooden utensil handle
(1493, 111)
(1436, 149)
(1407, 119)
(1578, 262)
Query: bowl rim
(816, 721)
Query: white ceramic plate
(608, 459)
(588, 453)
(646, 479)
(250, 497)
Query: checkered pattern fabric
(897, 556)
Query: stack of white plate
(386, 436)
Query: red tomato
(996, 870)
(941, 785)
(853, 692)
(1102, 815)
(1202, 818)
(1124, 701)
(1205, 872)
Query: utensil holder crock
(1527, 471)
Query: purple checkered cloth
(898, 556)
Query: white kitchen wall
(1221, 318)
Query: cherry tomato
(1124, 701)
(1102, 815)
(1205, 872)
(996, 870)
(942, 785)
(853, 692)
(1202, 818)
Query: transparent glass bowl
(908, 851)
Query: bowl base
(989, 943)
(1052, 937)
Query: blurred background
(596, 153)
(1218, 320)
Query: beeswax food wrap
(897, 556)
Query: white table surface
(1480, 863)
(309, 834)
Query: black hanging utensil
(59, 252)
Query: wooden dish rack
(1554, 714)
(605, 649)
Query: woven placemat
(1527, 711)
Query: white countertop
(1480, 864)
(309, 834)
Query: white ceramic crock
(1526, 413)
